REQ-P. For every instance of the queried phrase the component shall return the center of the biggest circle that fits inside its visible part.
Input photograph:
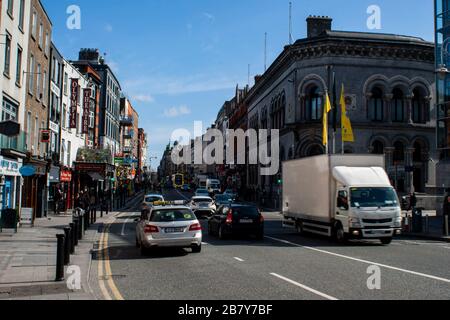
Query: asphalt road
(284, 266)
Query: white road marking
(123, 227)
(205, 243)
(239, 259)
(321, 294)
(363, 261)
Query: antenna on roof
(248, 75)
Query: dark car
(223, 199)
(237, 219)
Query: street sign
(45, 136)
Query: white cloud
(175, 112)
(209, 16)
(146, 98)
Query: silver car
(169, 227)
(203, 206)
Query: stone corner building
(389, 84)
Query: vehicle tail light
(151, 229)
(229, 217)
(195, 227)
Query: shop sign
(86, 110)
(66, 176)
(45, 136)
(9, 167)
(54, 127)
(74, 88)
(54, 175)
(28, 171)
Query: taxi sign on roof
(169, 203)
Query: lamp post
(442, 70)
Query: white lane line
(123, 227)
(239, 259)
(321, 294)
(205, 243)
(363, 261)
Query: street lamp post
(442, 70)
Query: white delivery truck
(341, 196)
(213, 186)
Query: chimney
(318, 25)
(91, 55)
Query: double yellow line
(104, 268)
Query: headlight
(354, 222)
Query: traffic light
(280, 179)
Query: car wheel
(197, 249)
(221, 233)
(386, 241)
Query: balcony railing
(126, 120)
(17, 143)
(128, 134)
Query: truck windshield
(373, 198)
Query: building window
(38, 83)
(31, 76)
(419, 107)
(29, 131)
(47, 44)
(41, 36)
(7, 54)
(66, 84)
(399, 152)
(64, 116)
(378, 147)
(69, 152)
(9, 110)
(21, 14)
(36, 135)
(10, 9)
(314, 104)
(19, 66)
(44, 88)
(398, 106)
(376, 105)
(34, 24)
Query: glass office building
(442, 19)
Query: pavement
(284, 266)
(28, 260)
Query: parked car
(202, 193)
(170, 226)
(203, 206)
(237, 219)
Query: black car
(237, 219)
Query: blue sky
(179, 60)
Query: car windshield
(152, 199)
(250, 212)
(198, 200)
(373, 198)
(177, 215)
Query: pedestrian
(79, 203)
(446, 210)
(93, 205)
(413, 202)
(57, 199)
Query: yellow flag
(347, 130)
(326, 110)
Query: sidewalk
(28, 260)
(435, 228)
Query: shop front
(10, 183)
(54, 192)
(67, 187)
(34, 191)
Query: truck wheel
(340, 234)
(386, 241)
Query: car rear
(244, 220)
(172, 227)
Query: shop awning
(96, 176)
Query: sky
(178, 61)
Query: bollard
(95, 214)
(66, 246)
(72, 238)
(80, 228)
(60, 258)
(75, 231)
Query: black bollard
(72, 238)
(80, 228)
(75, 230)
(95, 214)
(66, 246)
(60, 258)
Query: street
(285, 266)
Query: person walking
(446, 208)
(57, 199)
(413, 202)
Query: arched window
(419, 108)
(376, 105)
(313, 104)
(417, 156)
(377, 147)
(398, 106)
(399, 152)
